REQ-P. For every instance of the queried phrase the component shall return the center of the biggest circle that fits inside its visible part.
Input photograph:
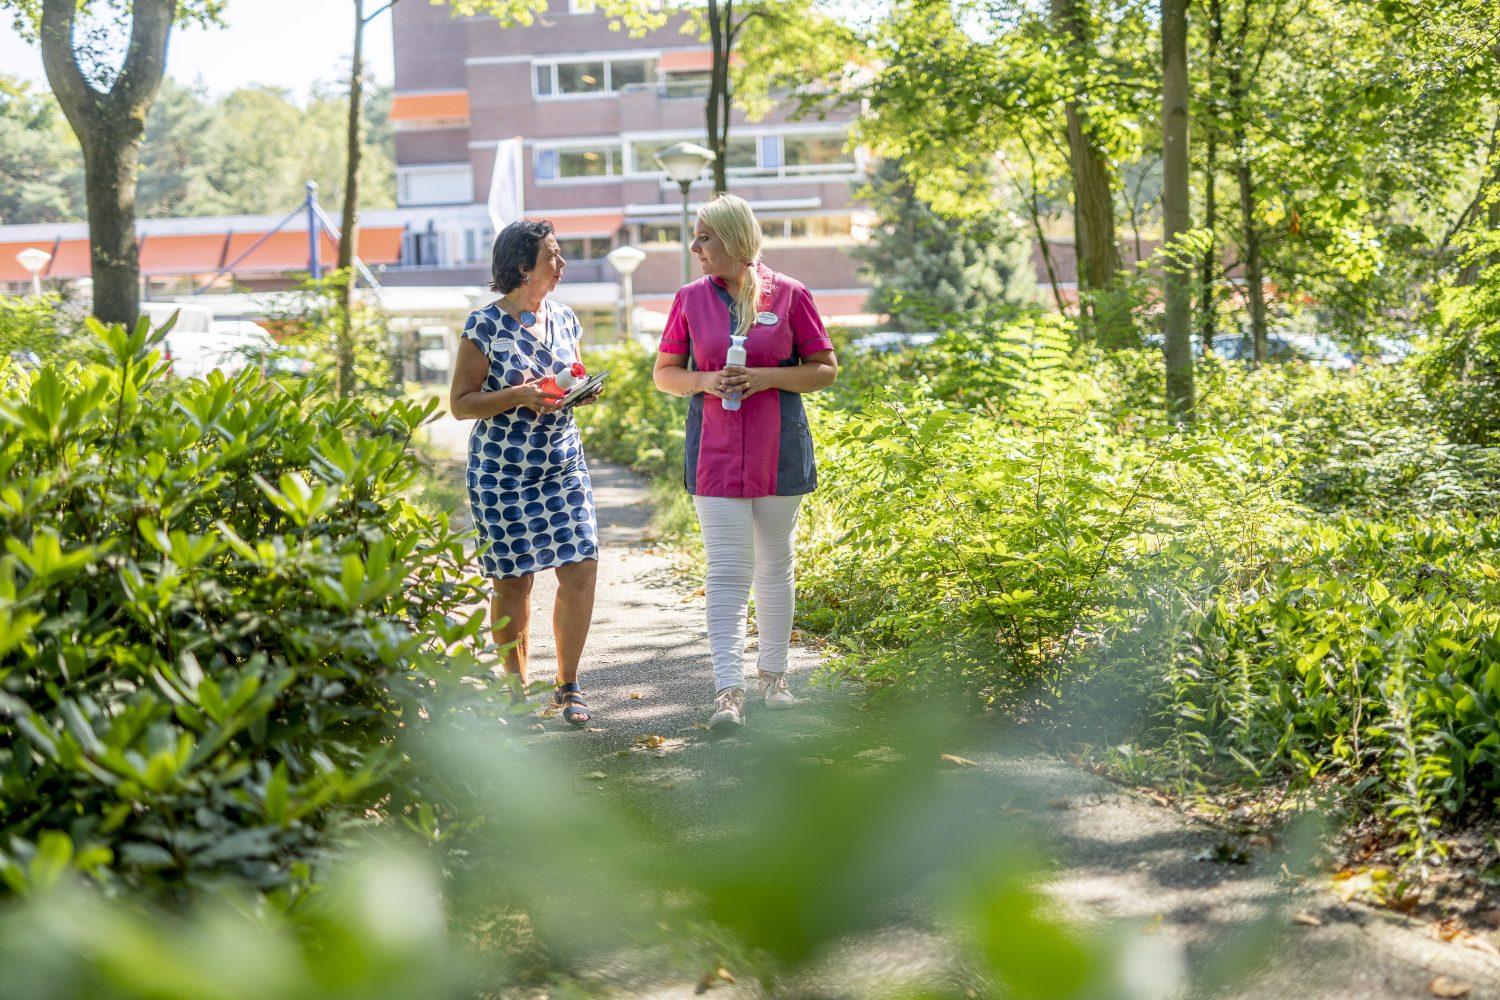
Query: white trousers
(748, 540)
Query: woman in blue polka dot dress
(529, 488)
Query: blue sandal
(569, 698)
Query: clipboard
(584, 388)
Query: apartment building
(572, 111)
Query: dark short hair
(515, 252)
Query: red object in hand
(557, 386)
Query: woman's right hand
(530, 395)
(712, 383)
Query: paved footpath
(1117, 856)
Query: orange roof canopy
(596, 224)
(205, 253)
(445, 104)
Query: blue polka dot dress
(529, 488)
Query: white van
(192, 347)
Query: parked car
(198, 344)
(246, 343)
(1287, 346)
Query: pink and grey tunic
(764, 448)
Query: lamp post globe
(683, 162)
(33, 260)
(625, 260)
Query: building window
(562, 163)
(591, 76)
(574, 248)
(630, 74)
(686, 84)
(478, 244)
(806, 227)
(815, 151)
(440, 184)
(581, 248)
(546, 164)
(740, 154)
(770, 152)
(580, 78)
(659, 233)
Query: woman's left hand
(590, 398)
(746, 381)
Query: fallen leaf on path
(714, 978)
(1443, 986)
(1453, 930)
(953, 760)
(1307, 919)
(597, 776)
(651, 741)
(536, 727)
(636, 696)
(701, 725)
(1160, 798)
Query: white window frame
(404, 173)
(575, 145)
(848, 170)
(607, 58)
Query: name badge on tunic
(767, 318)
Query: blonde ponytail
(732, 219)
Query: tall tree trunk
(349, 225)
(721, 32)
(1208, 320)
(1093, 199)
(1255, 292)
(1177, 276)
(1043, 243)
(109, 127)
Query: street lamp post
(34, 260)
(625, 260)
(683, 162)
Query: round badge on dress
(767, 318)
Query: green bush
(634, 423)
(1365, 650)
(220, 624)
(1294, 587)
(949, 543)
(37, 328)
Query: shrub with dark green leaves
(220, 623)
(1364, 650)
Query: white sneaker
(773, 691)
(729, 709)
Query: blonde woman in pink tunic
(747, 468)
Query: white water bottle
(736, 356)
